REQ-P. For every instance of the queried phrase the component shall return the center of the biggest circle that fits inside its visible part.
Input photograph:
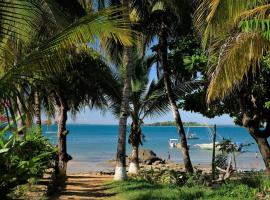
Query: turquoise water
(91, 146)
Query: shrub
(22, 159)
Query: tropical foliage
(22, 159)
(236, 35)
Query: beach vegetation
(28, 62)
(248, 187)
(23, 159)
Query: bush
(23, 159)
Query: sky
(96, 117)
(88, 116)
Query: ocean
(91, 146)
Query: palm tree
(147, 100)
(123, 56)
(85, 84)
(52, 53)
(236, 36)
(135, 14)
(166, 20)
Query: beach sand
(85, 186)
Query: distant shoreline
(78, 124)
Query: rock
(148, 157)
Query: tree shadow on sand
(85, 186)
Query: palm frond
(242, 53)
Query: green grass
(244, 189)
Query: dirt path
(85, 186)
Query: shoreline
(108, 167)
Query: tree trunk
(120, 169)
(62, 140)
(134, 161)
(37, 112)
(264, 148)
(20, 123)
(135, 141)
(163, 51)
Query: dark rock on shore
(148, 157)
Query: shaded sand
(84, 186)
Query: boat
(173, 143)
(192, 136)
(207, 146)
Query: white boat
(173, 143)
(191, 136)
(207, 146)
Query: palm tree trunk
(37, 112)
(265, 151)
(163, 57)
(62, 139)
(264, 148)
(134, 161)
(20, 122)
(134, 140)
(120, 169)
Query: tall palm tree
(52, 53)
(166, 20)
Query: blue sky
(96, 117)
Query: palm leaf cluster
(236, 36)
(33, 43)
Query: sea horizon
(92, 146)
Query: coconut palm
(236, 35)
(123, 55)
(87, 83)
(41, 57)
(147, 99)
(166, 20)
(51, 54)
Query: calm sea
(91, 146)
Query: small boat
(173, 143)
(192, 136)
(207, 146)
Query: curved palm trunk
(163, 57)
(37, 112)
(62, 132)
(264, 148)
(265, 151)
(120, 168)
